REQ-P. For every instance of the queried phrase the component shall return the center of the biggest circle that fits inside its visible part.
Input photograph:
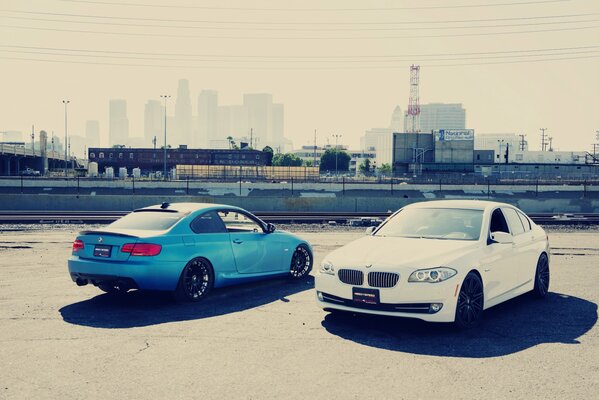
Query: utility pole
(543, 141)
(251, 138)
(314, 162)
(165, 97)
(65, 102)
(550, 138)
(33, 139)
(336, 136)
(522, 142)
(53, 155)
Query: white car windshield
(434, 223)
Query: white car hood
(396, 252)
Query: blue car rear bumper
(141, 274)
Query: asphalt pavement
(270, 340)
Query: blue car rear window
(208, 222)
(152, 221)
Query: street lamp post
(65, 102)
(53, 155)
(336, 136)
(165, 97)
(33, 140)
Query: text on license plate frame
(366, 296)
(102, 250)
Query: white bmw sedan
(442, 261)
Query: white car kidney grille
(351, 276)
(382, 279)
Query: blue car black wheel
(197, 279)
(301, 262)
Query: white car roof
(464, 204)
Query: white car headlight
(432, 275)
(326, 267)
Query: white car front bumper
(405, 299)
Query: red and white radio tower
(414, 105)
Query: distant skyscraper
(153, 123)
(260, 117)
(119, 124)
(12, 136)
(207, 118)
(232, 121)
(92, 133)
(182, 132)
(278, 126)
(435, 116)
(396, 120)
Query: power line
(411, 28)
(302, 68)
(245, 22)
(172, 6)
(125, 55)
(144, 34)
(295, 57)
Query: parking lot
(270, 340)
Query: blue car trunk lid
(101, 245)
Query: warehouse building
(150, 160)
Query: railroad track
(105, 217)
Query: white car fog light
(436, 307)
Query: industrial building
(312, 155)
(151, 160)
(454, 151)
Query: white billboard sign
(456, 134)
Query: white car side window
(513, 220)
(525, 221)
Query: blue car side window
(208, 222)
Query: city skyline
(518, 69)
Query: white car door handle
(487, 269)
(237, 241)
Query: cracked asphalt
(269, 339)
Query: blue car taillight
(141, 249)
(78, 245)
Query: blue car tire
(196, 281)
(301, 262)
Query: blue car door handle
(237, 241)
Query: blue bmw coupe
(188, 248)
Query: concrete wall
(278, 203)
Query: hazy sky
(339, 66)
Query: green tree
(232, 144)
(286, 160)
(308, 163)
(269, 154)
(385, 169)
(327, 160)
(365, 166)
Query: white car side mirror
(502, 237)
(370, 229)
